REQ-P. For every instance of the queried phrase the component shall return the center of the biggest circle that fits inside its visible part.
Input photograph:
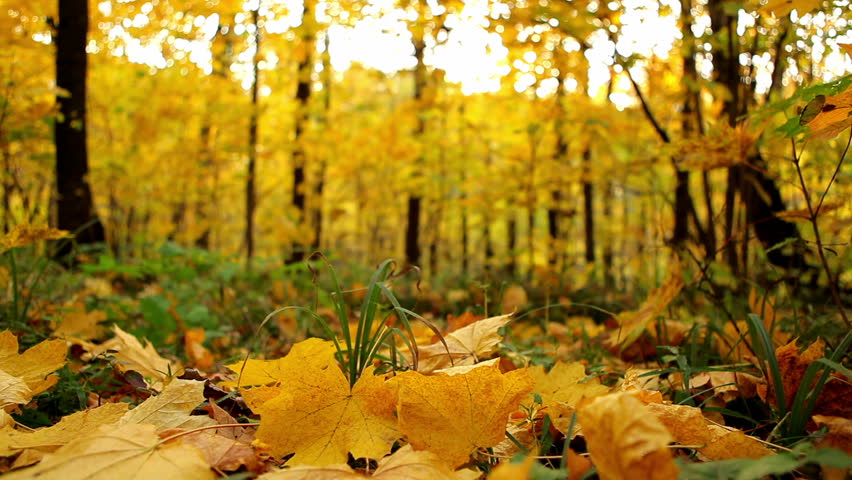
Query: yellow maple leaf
(25, 234)
(127, 452)
(31, 369)
(313, 351)
(406, 463)
(131, 354)
(310, 410)
(625, 441)
(48, 439)
(685, 423)
(465, 346)
(453, 415)
(172, 407)
(560, 390)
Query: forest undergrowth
(188, 364)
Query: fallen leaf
(198, 355)
(33, 367)
(561, 390)
(625, 441)
(404, 464)
(78, 323)
(453, 415)
(685, 423)
(25, 234)
(127, 452)
(70, 427)
(222, 453)
(132, 355)
(465, 346)
(839, 437)
(318, 416)
(633, 323)
(514, 296)
(13, 390)
(513, 470)
(313, 351)
(727, 443)
(172, 407)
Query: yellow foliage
(453, 415)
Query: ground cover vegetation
(618, 255)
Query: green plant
(359, 349)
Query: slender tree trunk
(560, 157)
(412, 231)
(303, 97)
(588, 206)
(511, 244)
(75, 209)
(319, 183)
(254, 121)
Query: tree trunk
(75, 210)
(412, 231)
(303, 97)
(254, 121)
(319, 182)
(588, 206)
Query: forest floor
(189, 365)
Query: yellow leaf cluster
(25, 234)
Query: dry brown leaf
(633, 323)
(625, 441)
(172, 407)
(727, 443)
(222, 453)
(453, 415)
(13, 390)
(33, 367)
(127, 452)
(132, 355)
(685, 423)
(839, 437)
(467, 345)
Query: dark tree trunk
(511, 245)
(588, 206)
(303, 97)
(319, 184)
(251, 192)
(412, 231)
(75, 210)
